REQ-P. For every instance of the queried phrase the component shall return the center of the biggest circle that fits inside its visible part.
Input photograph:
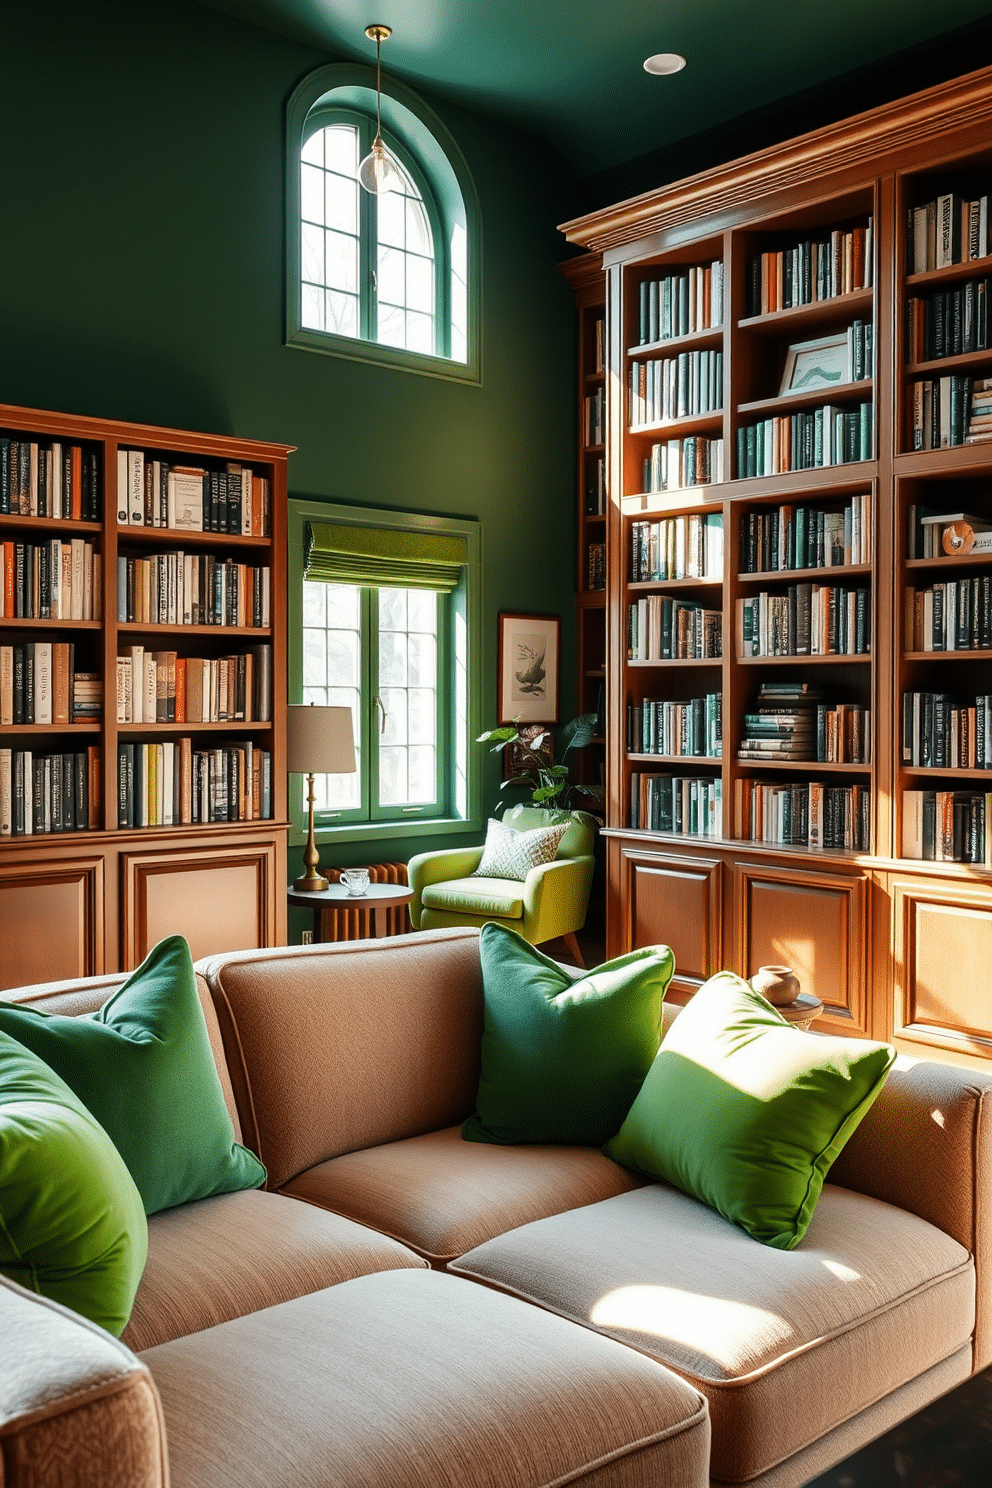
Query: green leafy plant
(546, 778)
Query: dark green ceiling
(571, 71)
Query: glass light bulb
(377, 172)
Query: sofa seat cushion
(222, 1257)
(785, 1344)
(441, 1196)
(486, 896)
(420, 1380)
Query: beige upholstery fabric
(337, 1047)
(872, 1297)
(76, 1407)
(926, 1146)
(86, 994)
(442, 1196)
(416, 1380)
(867, 1426)
(219, 1258)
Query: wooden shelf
(245, 632)
(681, 661)
(18, 624)
(805, 766)
(820, 312)
(230, 726)
(944, 366)
(50, 730)
(831, 659)
(947, 656)
(838, 572)
(847, 392)
(695, 760)
(975, 268)
(65, 527)
(672, 345)
(653, 586)
(696, 423)
(178, 537)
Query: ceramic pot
(779, 984)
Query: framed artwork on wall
(528, 660)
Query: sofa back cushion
(338, 1047)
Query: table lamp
(319, 741)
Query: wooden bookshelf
(82, 892)
(896, 945)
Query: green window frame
(429, 154)
(457, 807)
(371, 211)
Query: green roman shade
(384, 557)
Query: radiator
(355, 923)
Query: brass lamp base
(312, 882)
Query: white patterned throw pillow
(510, 854)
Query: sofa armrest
(75, 1404)
(556, 896)
(437, 867)
(926, 1146)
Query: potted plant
(536, 769)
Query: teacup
(356, 881)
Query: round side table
(803, 1011)
(331, 905)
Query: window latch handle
(377, 702)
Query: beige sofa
(404, 1308)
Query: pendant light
(378, 172)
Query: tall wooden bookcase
(895, 944)
(96, 898)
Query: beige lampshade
(319, 740)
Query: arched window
(390, 277)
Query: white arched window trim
(428, 152)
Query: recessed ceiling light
(664, 63)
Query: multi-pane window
(379, 652)
(369, 264)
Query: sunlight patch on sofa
(684, 1317)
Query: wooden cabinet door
(221, 897)
(674, 900)
(51, 918)
(942, 964)
(813, 921)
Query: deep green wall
(141, 277)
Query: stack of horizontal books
(783, 725)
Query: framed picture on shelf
(811, 365)
(528, 662)
(535, 748)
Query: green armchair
(549, 903)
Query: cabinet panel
(52, 917)
(943, 951)
(220, 898)
(675, 901)
(816, 924)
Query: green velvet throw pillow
(562, 1060)
(72, 1226)
(142, 1064)
(746, 1112)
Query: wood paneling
(816, 924)
(676, 901)
(219, 898)
(943, 964)
(51, 913)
